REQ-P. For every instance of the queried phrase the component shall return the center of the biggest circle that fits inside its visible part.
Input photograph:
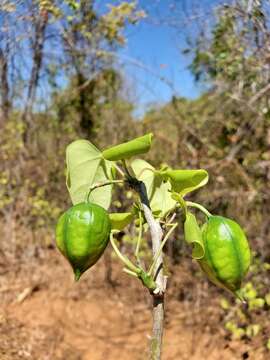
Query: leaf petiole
(151, 269)
(117, 168)
(129, 272)
(200, 207)
(128, 174)
(123, 258)
(139, 240)
(106, 183)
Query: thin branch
(158, 294)
(161, 247)
(139, 240)
(259, 94)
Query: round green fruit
(227, 254)
(82, 234)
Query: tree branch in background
(4, 88)
(38, 46)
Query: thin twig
(259, 94)
(139, 240)
(166, 237)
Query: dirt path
(60, 320)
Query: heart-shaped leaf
(185, 181)
(193, 236)
(157, 189)
(86, 168)
(128, 149)
(120, 220)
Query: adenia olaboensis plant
(84, 231)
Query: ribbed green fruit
(227, 254)
(82, 234)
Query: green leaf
(128, 149)
(185, 181)
(224, 303)
(267, 299)
(255, 304)
(157, 190)
(120, 220)
(253, 330)
(85, 168)
(193, 236)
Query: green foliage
(185, 181)
(87, 174)
(120, 220)
(251, 320)
(114, 21)
(193, 236)
(158, 191)
(131, 148)
(85, 168)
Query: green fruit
(227, 254)
(82, 234)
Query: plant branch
(158, 294)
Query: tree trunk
(38, 46)
(4, 89)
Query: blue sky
(157, 46)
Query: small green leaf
(128, 149)
(237, 332)
(85, 168)
(267, 299)
(268, 344)
(266, 266)
(185, 181)
(120, 220)
(253, 330)
(224, 303)
(257, 303)
(193, 235)
(158, 191)
(249, 292)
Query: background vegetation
(60, 80)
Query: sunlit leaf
(85, 168)
(157, 190)
(128, 149)
(193, 236)
(185, 181)
(120, 220)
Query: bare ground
(45, 315)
